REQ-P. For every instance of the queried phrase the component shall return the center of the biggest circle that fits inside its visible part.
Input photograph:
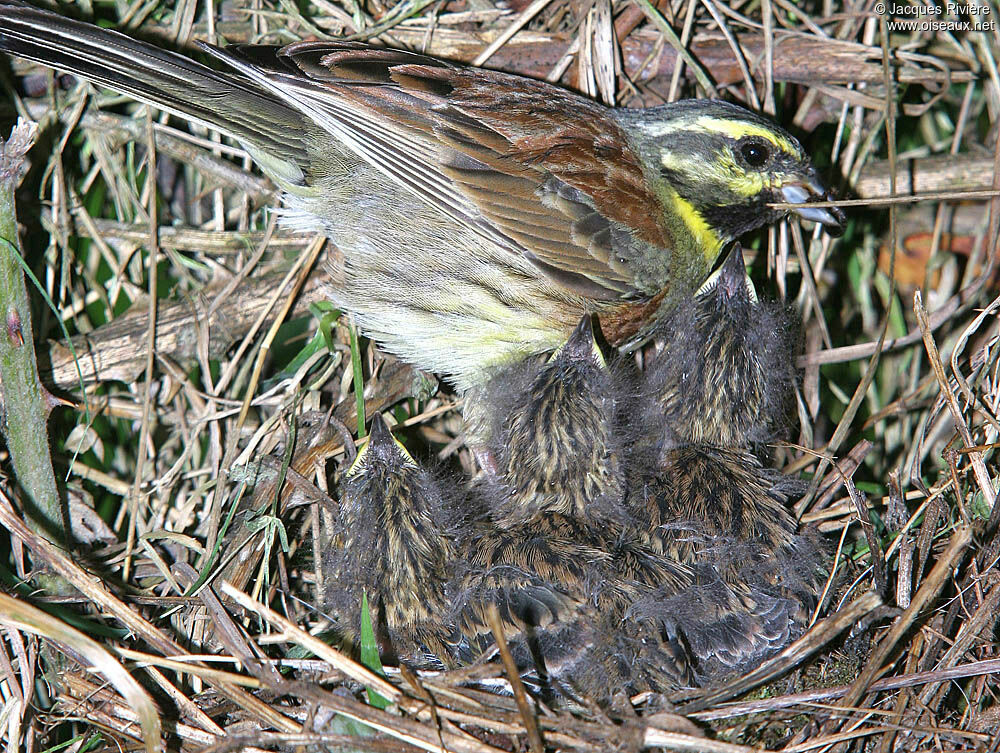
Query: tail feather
(165, 79)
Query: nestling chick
(755, 579)
(559, 480)
(395, 542)
(721, 492)
(557, 551)
(554, 436)
(727, 625)
(720, 384)
(725, 372)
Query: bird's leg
(487, 461)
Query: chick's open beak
(802, 193)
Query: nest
(196, 456)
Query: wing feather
(495, 152)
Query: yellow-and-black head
(718, 167)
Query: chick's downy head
(557, 445)
(725, 373)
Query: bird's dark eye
(754, 153)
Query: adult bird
(479, 214)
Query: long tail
(170, 81)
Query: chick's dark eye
(754, 153)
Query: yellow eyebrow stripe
(738, 129)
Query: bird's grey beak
(803, 193)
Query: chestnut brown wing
(570, 138)
(526, 165)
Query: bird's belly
(426, 287)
